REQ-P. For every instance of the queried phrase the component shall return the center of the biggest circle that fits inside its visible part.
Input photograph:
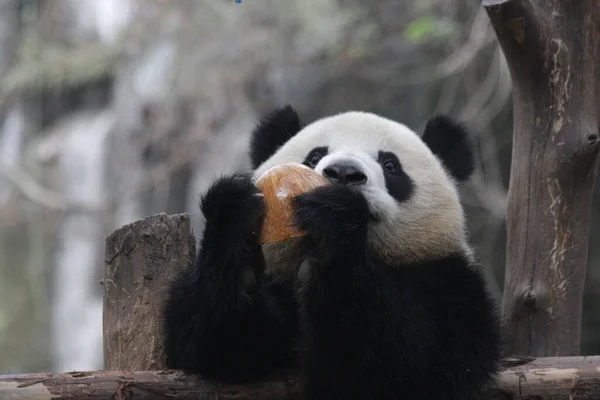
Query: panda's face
(413, 200)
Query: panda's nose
(345, 174)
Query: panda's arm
(426, 333)
(223, 318)
(374, 331)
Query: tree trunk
(140, 260)
(553, 51)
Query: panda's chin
(373, 216)
(376, 213)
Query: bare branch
(481, 36)
(39, 193)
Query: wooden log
(140, 260)
(552, 48)
(570, 378)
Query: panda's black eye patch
(398, 183)
(315, 155)
(390, 166)
(389, 162)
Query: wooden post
(140, 259)
(553, 51)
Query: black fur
(223, 318)
(326, 211)
(272, 132)
(398, 183)
(358, 327)
(449, 141)
(373, 330)
(315, 155)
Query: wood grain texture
(553, 51)
(574, 378)
(140, 260)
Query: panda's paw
(233, 208)
(333, 213)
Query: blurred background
(112, 110)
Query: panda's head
(408, 181)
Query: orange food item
(279, 185)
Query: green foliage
(419, 28)
(427, 27)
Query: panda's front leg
(224, 319)
(345, 314)
(336, 219)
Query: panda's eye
(314, 160)
(389, 162)
(390, 166)
(316, 154)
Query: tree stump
(141, 258)
(553, 51)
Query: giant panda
(382, 299)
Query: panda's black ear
(450, 142)
(271, 132)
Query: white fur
(430, 224)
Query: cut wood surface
(141, 258)
(544, 378)
(552, 48)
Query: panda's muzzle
(344, 173)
